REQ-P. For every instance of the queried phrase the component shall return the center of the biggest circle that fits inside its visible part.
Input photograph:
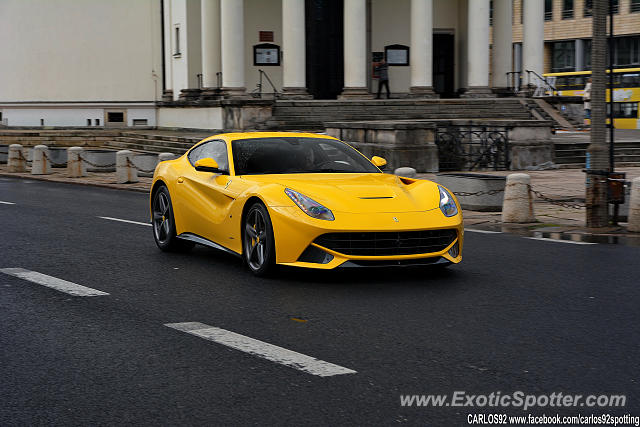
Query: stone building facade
(167, 62)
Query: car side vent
(315, 255)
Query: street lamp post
(597, 166)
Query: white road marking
(545, 239)
(53, 282)
(6, 203)
(262, 349)
(148, 224)
(482, 231)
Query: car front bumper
(295, 233)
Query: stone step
(618, 151)
(155, 142)
(581, 165)
(630, 158)
(155, 137)
(398, 102)
(143, 147)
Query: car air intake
(383, 243)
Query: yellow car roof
(249, 135)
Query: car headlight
(310, 206)
(447, 204)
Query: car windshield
(258, 156)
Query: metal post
(616, 206)
(597, 167)
(611, 124)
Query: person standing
(383, 77)
(586, 99)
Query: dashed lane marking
(53, 282)
(262, 349)
(6, 203)
(473, 230)
(573, 242)
(125, 220)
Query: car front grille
(383, 243)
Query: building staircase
(574, 154)
(312, 114)
(153, 142)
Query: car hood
(360, 193)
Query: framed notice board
(397, 54)
(266, 54)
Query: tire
(258, 244)
(164, 225)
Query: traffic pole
(597, 167)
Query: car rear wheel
(257, 240)
(164, 226)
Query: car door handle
(180, 180)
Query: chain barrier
(22, 157)
(94, 165)
(556, 202)
(50, 160)
(478, 193)
(538, 194)
(139, 169)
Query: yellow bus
(626, 92)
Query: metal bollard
(634, 206)
(125, 171)
(405, 172)
(163, 157)
(517, 205)
(75, 166)
(40, 164)
(16, 160)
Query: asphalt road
(516, 315)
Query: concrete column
(533, 37)
(211, 63)
(478, 49)
(40, 164)
(125, 171)
(16, 159)
(75, 166)
(355, 50)
(294, 66)
(232, 47)
(517, 63)
(422, 48)
(167, 95)
(518, 201)
(579, 55)
(502, 42)
(634, 206)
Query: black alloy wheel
(257, 240)
(164, 227)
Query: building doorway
(443, 65)
(324, 48)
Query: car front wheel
(164, 226)
(257, 240)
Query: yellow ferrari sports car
(301, 199)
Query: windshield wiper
(332, 170)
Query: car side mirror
(208, 165)
(379, 162)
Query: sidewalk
(566, 185)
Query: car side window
(217, 150)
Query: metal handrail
(257, 92)
(541, 79)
